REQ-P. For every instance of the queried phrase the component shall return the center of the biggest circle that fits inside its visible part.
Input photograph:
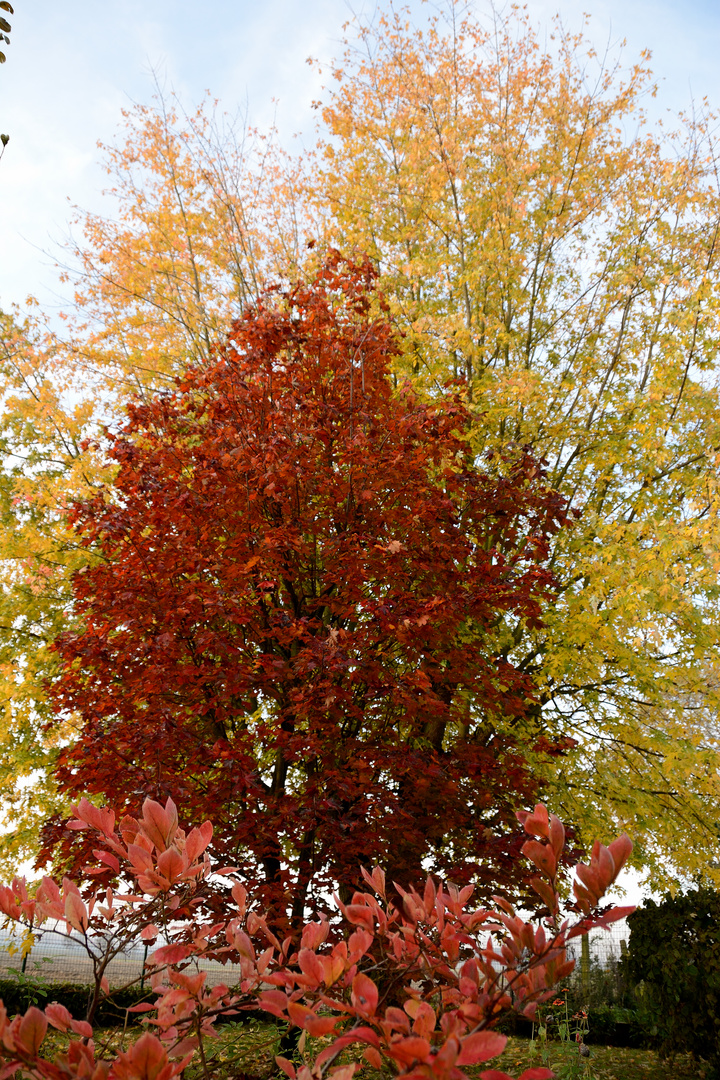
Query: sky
(73, 66)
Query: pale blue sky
(73, 65)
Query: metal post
(585, 968)
(142, 977)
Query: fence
(56, 959)
(606, 947)
(59, 959)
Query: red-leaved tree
(291, 625)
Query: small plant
(555, 1019)
(33, 982)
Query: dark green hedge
(610, 1025)
(18, 995)
(674, 962)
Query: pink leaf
(287, 1066)
(109, 860)
(159, 824)
(620, 850)
(102, 820)
(535, 823)
(170, 864)
(364, 995)
(170, 954)
(58, 1016)
(314, 934)
(481, 1047)
(197, 840)
(31, 1032)
(76, 912)
(82, 1028)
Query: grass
(247, 1051)
(604, 1063)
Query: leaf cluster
(454, 970)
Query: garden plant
(415, 988)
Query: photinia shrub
(416, 987)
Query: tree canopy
(534, 233)
(571, 271)
(291, 613)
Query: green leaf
(5, 25)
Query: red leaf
(481, 1047)
(409, 1050)
(170, 954)
(287, 1066)
(32, 1030)
(364, 995)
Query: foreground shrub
(415, 988)
(675, 953)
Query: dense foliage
(413, 988)
(675, 954)
(291, 618)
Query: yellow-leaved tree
(538, 238)
(44, 464)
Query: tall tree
(535, 234)
(43, 467)
(291, 616)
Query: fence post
(142, 977)
(585, 968)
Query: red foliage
(448, 971)
(291, 626)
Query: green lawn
(604, 1063)
(247, 1051)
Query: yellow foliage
(538, 238)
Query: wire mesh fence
(59, 959)
(606, 946)
(55, 958)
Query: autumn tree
(192, 240)
(291, 616)
(535, 233)
(43, 467)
